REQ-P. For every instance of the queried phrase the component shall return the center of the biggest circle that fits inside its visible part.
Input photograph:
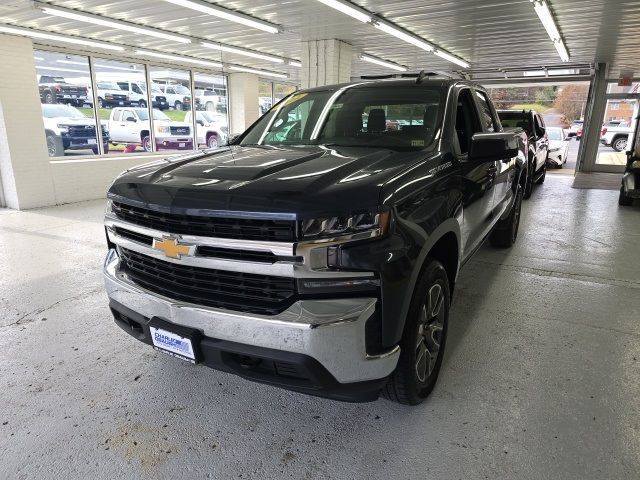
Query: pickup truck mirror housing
(130, 119)
(492, 147)
(200, 122)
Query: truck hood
(310, 180)
(69, 121)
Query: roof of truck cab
(386, 83)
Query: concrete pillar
(25, 170)
(325, 62)
(243, 98)
(594, 113)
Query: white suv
(178, 96)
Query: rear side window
(116, 115)
(467, 123)
(486, 113)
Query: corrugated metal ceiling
(489, 34)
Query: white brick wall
(243, 97)
(24, 163)
(325, 62)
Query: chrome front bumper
(330, 331)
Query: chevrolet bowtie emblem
(171, 248)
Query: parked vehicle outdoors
(111, 95)
(131, 126)
(538, 143)
(137, 92)
(558, 146)
(211, 128)
(57, 90)
(211, 100)
(322, 259)
(67, 128)
(630, 188)
(616, 135)
(575, 130)
(178, 96)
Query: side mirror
(130, 119)
(492, 147)
(200, 122)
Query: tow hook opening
(247, 362)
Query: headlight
(63, 128)
(375, 222)
(635, 164)
(161, 129)
(109, 208)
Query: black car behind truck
(538, 143)
(320, 251)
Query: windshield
(554, 133)
(396, 117)
(515, 120)
(179, 89)
(143, 114)
(108, 86)
(57, 110)
(154, 88)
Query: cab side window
(486, 113)
(467, 122)
(127, 114)
(539, 125)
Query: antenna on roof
(421, 76)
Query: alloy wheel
(430, 325)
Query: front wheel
(146, 144)
(142, 104)
(423, 340)
(619, 144)
(506, 231)
(623, 199)
(178, 106)
(54, 146)
(212, 141)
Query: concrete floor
(541, 378)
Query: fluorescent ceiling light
(295, 63)
(396, 32)
(60, 69)
(348, 9)
(72, 62)
(258, 72)
(177, 58)
(562, 50)
(241, 51)
(116, 24)
(130, 69)
(58, 38)
(230, 15)
(452, 58)
(38, 59)
(377, 61)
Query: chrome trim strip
(339, 345)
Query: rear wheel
(624, 200)
(212, 141)
(423, 340)
(619, 144)
(146, 143)
(506, 231)
(49, 98)
(142, 104)
(178, 105)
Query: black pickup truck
(537, 143)
(320, 251)
(58, 90)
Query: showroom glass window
(212, 123)
(265, 96)
(120, 86)
(64, 83)
(173, 121)
(281, 90)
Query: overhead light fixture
(61, 69)
(383, 63)
(241, 51)
(40, 59)
(258, 72)
(116, 24)
(348, 9)
(452, 58)
(72, 62)
(227, 14)
(178, 58)
(387, 27)
(130, 69)
(404, 36)
(548, 22)
(58, 38)
(295, 63)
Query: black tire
(619, 144)
(49, 98)
(142, 104)
(178, 105)
(528, 181)
(540, 179)
(561, 163)
(624, 200)
(146, 143)
(417, 371)
(54, 145)
(212, 141)
(506, 231)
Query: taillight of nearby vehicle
(604, 131)
(579, 133)
(57, 88)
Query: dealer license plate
(172, 344)
(91, 141)
(181, 145)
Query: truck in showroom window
(319, 252)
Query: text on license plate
(172, 343)
(180, 145)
